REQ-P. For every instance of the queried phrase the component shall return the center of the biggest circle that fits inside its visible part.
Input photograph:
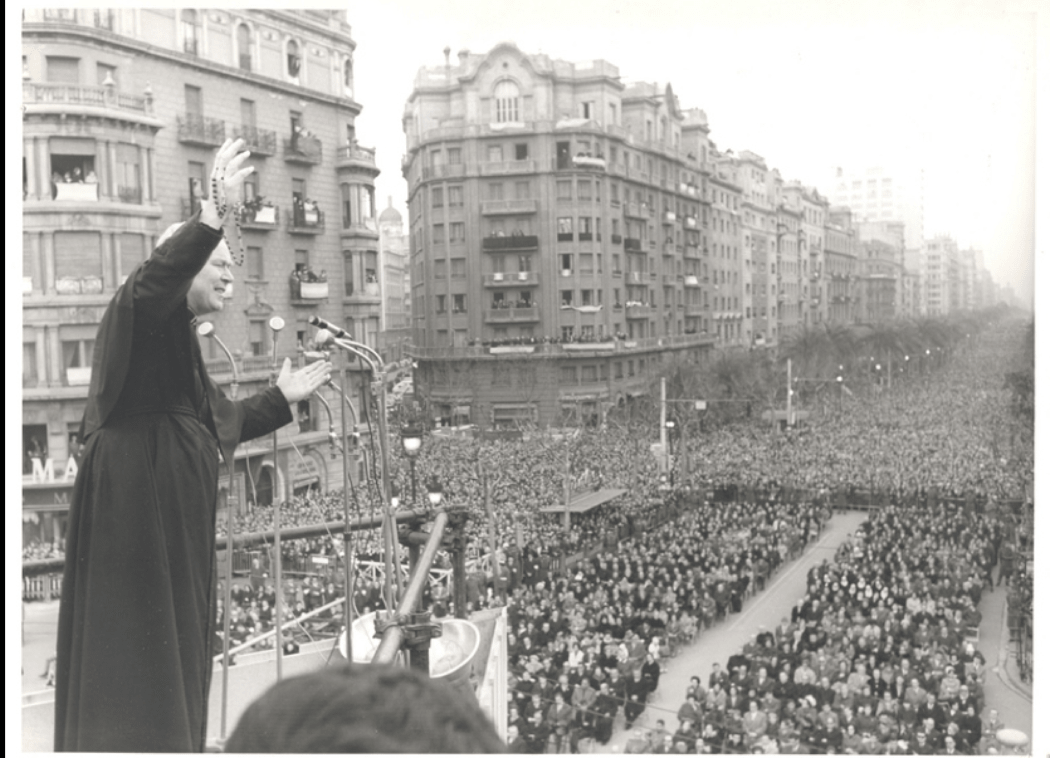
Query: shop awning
(584, 503)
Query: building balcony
(513, 242)
(82, 285)
(262, 216)
(355, 156)
(307, 218)
(617, 239)
(366, 294)
(258, 141)
(68, 98)
(638, 310)
(632, 244)
(635, 277)
(669, 217)
(76, 192)
(512, 315)
(195, 129)
(691, 251)
(635, 210)
(508, 207)
(502, 168)
(689, 222)
(130, 195)
(691, 280)
(511, 279)
(588, 162)
(445, 171)
(668, 248)
(693, 310)
(305, 150)
(307, 292)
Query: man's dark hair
(359, 708)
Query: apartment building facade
(123, 111)
(556, 238)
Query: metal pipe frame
(278, 580)
(392, 638)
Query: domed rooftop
(391, 215)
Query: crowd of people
(878, 656)
(875, 658)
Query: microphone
(206, 329)
(320, 323)
(322, 337)
(276, 323)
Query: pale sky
(948, 86)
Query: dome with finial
(391, 215)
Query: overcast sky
(948, 86)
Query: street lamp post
(411, 443)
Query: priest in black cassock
(138, 596)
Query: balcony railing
(131, 195)
(693, 310)
(306, 150)
(494, 168)
(511, 242)
(258, 141)
(77, 192)
(355, 154)
(504, 207)
(588, 162)
(631, 243)
(512, 315)
(74, 94)
(195, 129)
(546, 349)
(306, 219)
(512, 279)
(78, 285)
(638, 311)
(634, 210)
(264, 217)
(445, 170)
(308, 290)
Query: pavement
(1004, 689)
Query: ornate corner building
(123, 110)
(559, 241)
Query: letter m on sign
(43, 470)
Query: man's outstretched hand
(299, 385)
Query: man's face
(209, 286)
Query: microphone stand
(348, 556)
(391, 546)
(207, 329)
(276, 324)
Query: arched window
(294, 60)
(348, 73)
(244, 47)
(507, 99)
(190, 32)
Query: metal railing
(76, 94)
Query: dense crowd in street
(876, 658)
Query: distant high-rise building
(395, 324)
(882, 194)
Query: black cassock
(138, 602)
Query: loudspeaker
(450, 654)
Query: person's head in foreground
(359, 708)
